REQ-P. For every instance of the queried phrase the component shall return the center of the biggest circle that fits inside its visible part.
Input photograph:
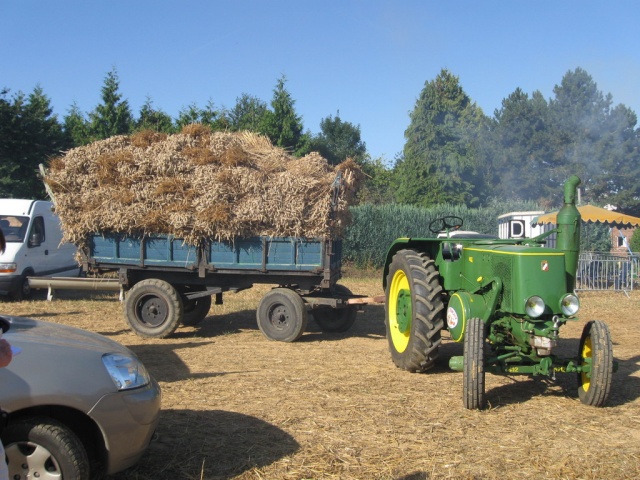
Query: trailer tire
(414, 311)
(473, 389)
(335, 320)
(196, 310)
(153, 308)
(596, 349)
(282, 315)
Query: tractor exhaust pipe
(568, 223)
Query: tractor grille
(502, 268)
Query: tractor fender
(421, 245)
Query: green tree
(152, 119)
(29, 134)
(282, 124)
(339, 140)
(439, 163)
(521, 148)
(634, 244)
(247, 114)
(188, 115)
(76, 127)
(113, 116)
(596, 141)
(214, 117)
(378, 184)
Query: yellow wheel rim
(400, 311)
(586, 354)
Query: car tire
(40, 447)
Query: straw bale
(198, 184)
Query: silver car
(78, 403)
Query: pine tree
(113, 116)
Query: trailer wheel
(473, 383)
(153, 308)
(414, 311)
(282, 315)
(595, 350)
(331, 319)
(195, 310)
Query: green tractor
(504, 299)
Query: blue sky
(369, 60)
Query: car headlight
(127, 372)
(569, 304)
(8, 267)
(534, 306)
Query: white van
(33, 235)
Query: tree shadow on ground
(212, 444)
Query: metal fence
(606, 271)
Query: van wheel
(153, 308)
(23, 290)
(39, 447)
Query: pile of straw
(198, 184)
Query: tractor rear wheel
(473, 382)
(595, 351)
(414, 311)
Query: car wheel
(39, 447)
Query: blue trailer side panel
(257, 253)
(158, 251)
(264, 253)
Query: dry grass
(333, 406)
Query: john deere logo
(545, 266)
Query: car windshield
(13, 227)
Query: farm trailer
(165, 282)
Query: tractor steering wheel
(450, 222)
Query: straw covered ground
(333, 406)
(199, 184)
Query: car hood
(57, 365)
(34, 333)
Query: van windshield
(14, 228)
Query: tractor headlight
(534, 307)
(569, 304)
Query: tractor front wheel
(473, 382)
(596, 352)
(414, 311)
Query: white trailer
(519, 225)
